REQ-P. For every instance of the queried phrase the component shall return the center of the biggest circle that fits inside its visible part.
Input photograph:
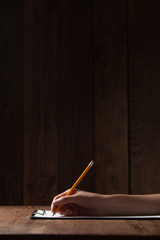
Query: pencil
(76, 183)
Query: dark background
(79, 80)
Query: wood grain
(40, 101)
(75, 92)
(66, 71)
(15, 223)
(111, 108)
(11, 103)
(144, 89)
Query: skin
(93, 204)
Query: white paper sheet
(46, 214)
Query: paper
(46, 214)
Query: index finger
(61, 195)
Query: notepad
(46, 214)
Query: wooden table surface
(15, 223)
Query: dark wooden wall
(79, 80)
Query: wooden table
(15, 223)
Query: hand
(79, 203)
(86, 203)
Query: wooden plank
(11, 118)
(75, 91)
(111, 114)
(20, 224)
(40, 101)
(144, 62)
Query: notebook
(46, 214)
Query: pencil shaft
(76, 183)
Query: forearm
(124, 204)
(86, 203)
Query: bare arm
(86, 203)
(124, 204)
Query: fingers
(64, 200)
(61, 200)
(57, 197)
(69, 210)
(64, 194)
(60, 195)
(86, 203)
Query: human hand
(79, 203)
(86, 203)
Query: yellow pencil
(76, 183)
